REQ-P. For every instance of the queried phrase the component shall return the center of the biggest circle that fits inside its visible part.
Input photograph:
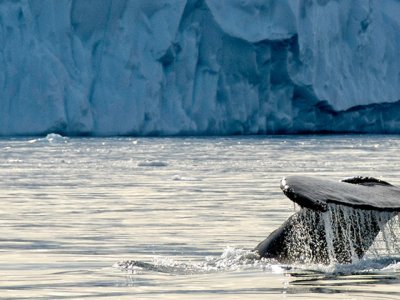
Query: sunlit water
(174, 218)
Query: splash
(231, 259)
(342, 235)
(365, 240)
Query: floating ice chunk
(52, 138)
(394, 266)
(55, 138)
(152, 163)
(182, 178)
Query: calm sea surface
(174, 218)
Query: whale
(338, 221)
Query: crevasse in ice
(173, 67)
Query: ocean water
(175, 218)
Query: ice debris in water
(183, 178)
(152, 163)
(394, 265)
(55, 138)
(52, 138)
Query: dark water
(175, 218)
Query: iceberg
(199, 67)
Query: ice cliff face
(170, 67)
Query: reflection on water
(174, 218)
(351, 283)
